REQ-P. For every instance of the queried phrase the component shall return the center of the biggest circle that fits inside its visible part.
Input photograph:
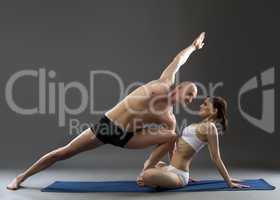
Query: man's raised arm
(168, 75)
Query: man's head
(184, 93)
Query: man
(125, 125)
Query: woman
(194, 137)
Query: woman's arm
(168, 75)
(213, 145)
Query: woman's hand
(238, 185)
(234, 180)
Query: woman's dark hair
(221, 105)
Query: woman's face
(207, 109)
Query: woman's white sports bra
(190, 137)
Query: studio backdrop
(64, 63)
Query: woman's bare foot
(161, 164)
(140, 181)
(15, 183)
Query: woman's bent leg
(85, 141)
(159, 178)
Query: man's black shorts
(109, 133)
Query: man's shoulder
(157, 87)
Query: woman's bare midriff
(184, 153)
(182, 156)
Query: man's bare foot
(15, 184)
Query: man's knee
(171, 134)
(167, 136)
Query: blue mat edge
(150, 190)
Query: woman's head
(215, 108)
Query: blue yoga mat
(131, 186)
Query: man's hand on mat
(198, 42)
(238, 185)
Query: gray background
(136, 40)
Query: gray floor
(33, 185)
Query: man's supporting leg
(85, 141)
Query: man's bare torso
(148, 104)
